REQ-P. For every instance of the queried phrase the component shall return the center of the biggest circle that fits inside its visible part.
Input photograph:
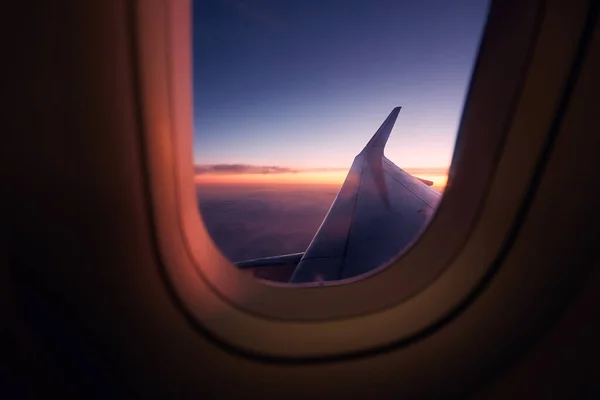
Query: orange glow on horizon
(329, 177)
(438, 176)
(439, 180)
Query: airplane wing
(378, 211)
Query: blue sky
(304, 84)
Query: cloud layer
(275, 169)
(241, 169)
(274, 174)
(201, 169)
(249, 222)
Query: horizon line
(257, 169)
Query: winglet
(379, 139)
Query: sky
(300, 86)
(288, 92)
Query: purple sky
(304, 84)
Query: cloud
(242, 169)
(201, 169)
(275, 169)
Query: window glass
(288, 93)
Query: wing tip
(379, 139)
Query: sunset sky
(300, 86)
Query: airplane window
(324, 130)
